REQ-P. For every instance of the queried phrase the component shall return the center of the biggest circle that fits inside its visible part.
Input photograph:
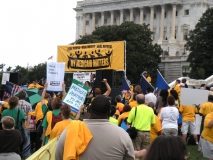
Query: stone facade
(170, 20)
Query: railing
(194, 82)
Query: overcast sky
(30, 31)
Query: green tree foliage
(30, 74)
(2, 67)
(200, 45)
(141, 54)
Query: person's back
(109, 143)
(206, 108)
(100, 139)
(150, 97)
(141, 117)
(11, 140)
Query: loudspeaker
(115, 92)
(15, 78)
(2, 87)
(110, 75)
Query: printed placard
(55, 76)
(76, 95)
(5, 77)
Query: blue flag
(145, 84)
(125, 85)
(161, 83)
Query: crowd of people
(103, 128)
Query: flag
(125, 85)
(161, 83)
(11, 89)
(50, 58)
(145, 84)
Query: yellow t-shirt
(144, 118)
(155, 128)
(38, 111)
(59, 128)
(37, 86)
(120, 106)
(208, 132)
(6, 105)
(117, 112)
(206, 108)
(177, 88)
(188, 113)
(123, 116)
(149, 79)
(133, 104)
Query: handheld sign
(55, 76)
(76, 95)
(192, 97)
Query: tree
(200, 45)
(9, 69)
(185, 70)
(140, 52)
(2, 67)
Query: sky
(31, 30)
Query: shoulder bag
(132, 131)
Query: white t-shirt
(169, 116)
(150, 97)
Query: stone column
(121, 16)
(173, 21)
(131, 14)
(112, 17)
(162, 22)
(77, 26)
(93, 21)
(102, 18)
(83, 24)
(141, 15)
(151, 17)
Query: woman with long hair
(60, 126)
(161, 100)
(52, 117)
(167, 148)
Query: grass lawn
(194, 153)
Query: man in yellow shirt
(146, 75)
(156, 128)
(205, 109)
(35, 85)
(177, 87)
(133, 103)
(206, 138)
(188, 120)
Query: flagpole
(125, 57)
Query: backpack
(56, 119)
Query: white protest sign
(76, 95)
(191, 97)
(82, 76)
(55, 76)
(5, 77)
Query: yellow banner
(46, 152)
(91, 57)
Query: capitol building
(170, 20)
